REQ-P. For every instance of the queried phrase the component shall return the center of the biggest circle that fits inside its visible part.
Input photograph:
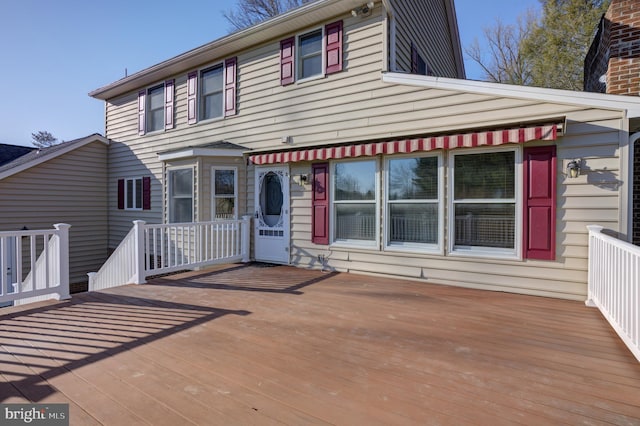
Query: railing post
(91, 276)
(139, 277)
(593, 229)
(63, 258)
(246, 238)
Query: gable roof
(292, 21)
(9, 153)
(37, 156)
(629, 104)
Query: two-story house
(346, 130)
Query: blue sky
(55, 52)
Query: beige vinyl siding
(68, 189)
(311, 112)
(353, 106)
(592, 198)
(424, 23)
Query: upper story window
(310, 54)
(155, 108)
(418, 64)
(211, 92)
(315, 53)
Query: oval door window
(271, 199)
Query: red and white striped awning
(469, 140)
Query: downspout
(632, 141)
(389, 44)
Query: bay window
(180, 195)
(224, 194)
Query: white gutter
(629, 104)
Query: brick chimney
(613, 62)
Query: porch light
(364, 10)
(573, 169)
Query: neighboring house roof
(308, 14)
(37, 156)
(9, 153)
(629, 104)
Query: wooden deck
(257, 345)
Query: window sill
(415, 249)
(355, 244)
(312, 78)
(485, 254)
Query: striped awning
(469, 140)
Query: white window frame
(333, 218)
(214, 196)
(437, 248)
(148, 110)
(489, 252)
(200, 95)
(170, 192)
(298, 56)
(134, 195)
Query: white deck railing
(152, 249)
(614, 284)
(34, 265)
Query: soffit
(282, 25)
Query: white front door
(272, 219)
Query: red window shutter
(333, 43)
(287, 63)
(192, 97)
(168, 104)
(146, 193)
(121, 194)
(142, 100)
(414, 59)
(540, 203)
(230, 79)
(320, 204)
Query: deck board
(250, 344)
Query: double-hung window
(133, 194)
(413, 196)
(155, 108)
(180, 195)
(212, 92)
(310, 54)
(355, 202)
(224, 194)
(484, 208)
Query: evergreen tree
(43, 139)
(558, 43)
(545, 52)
